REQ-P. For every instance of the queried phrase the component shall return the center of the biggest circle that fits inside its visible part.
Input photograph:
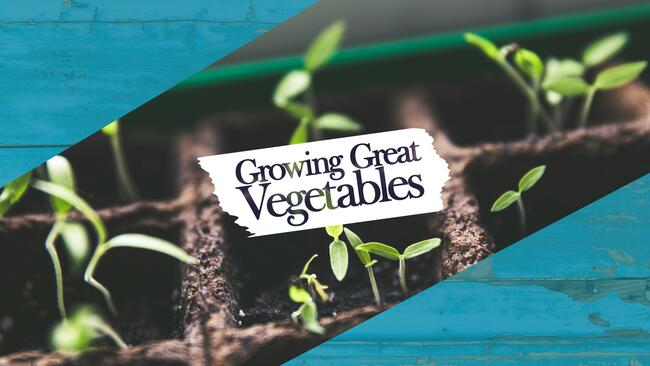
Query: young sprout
(125, 184)
(338, 252)
(73, 234)
(295, 94)
(412, 251)
(312, 281)
(365, 259)
(13, 192)
(138, 241)
(307, 312)
(557, 69)
(508, 198)
(77, 333)
(530, 65)
(610, 78)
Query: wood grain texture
(69, 67)
(575, 293)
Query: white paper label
(339, 181)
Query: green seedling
(312, 281)
(508, 198)
(294, 93)
(338, 252)
(307, 313)
(77, 333)
(365, 259)
(125, 184)
(138, 241)
(73, 234)
(611, 78)
(13, 192)
(412, 251)
(530, 67)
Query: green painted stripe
(425, 45)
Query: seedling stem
(125, 183)
(522, 215)
(586, 106)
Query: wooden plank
(69, 67)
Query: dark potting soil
(146, 296)
(150, 159)
(266, 266)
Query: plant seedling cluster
(339, 265)
(294, 93)
(77, 331)
(555, 83)
(526, 182)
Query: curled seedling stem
(412, 251)
(125, 183)
(355, 241)
(526, 182)
(312, 281)
(138, 241)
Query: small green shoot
(13, 192)
(508, 198)
(312, 281)
(307, 313)
(607, 79)
(138, 241)
(365, 259)
(412, 251)
(338, 252)
(77, 333)
(125, 184)
(294, 94)
(530, 66)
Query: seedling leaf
(604, 49)
(292, 84)
(147, 242)
(301, 134)
(299, 295)
(569, 87)
(421, 247)
(529, 63)
(299, 111)
(334, 231)
(77, 202)
(382, 250)
(505, 200)
(620, 75)
(336, 122)
(13, 192)
(562, 69)
(309, 316)
(324, 46)
(339, 259)
(488, 48)
(530, 178)
(60, 172)
(76, 242)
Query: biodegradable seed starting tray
(232, 308)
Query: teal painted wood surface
(574, 293)
(69, 67)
